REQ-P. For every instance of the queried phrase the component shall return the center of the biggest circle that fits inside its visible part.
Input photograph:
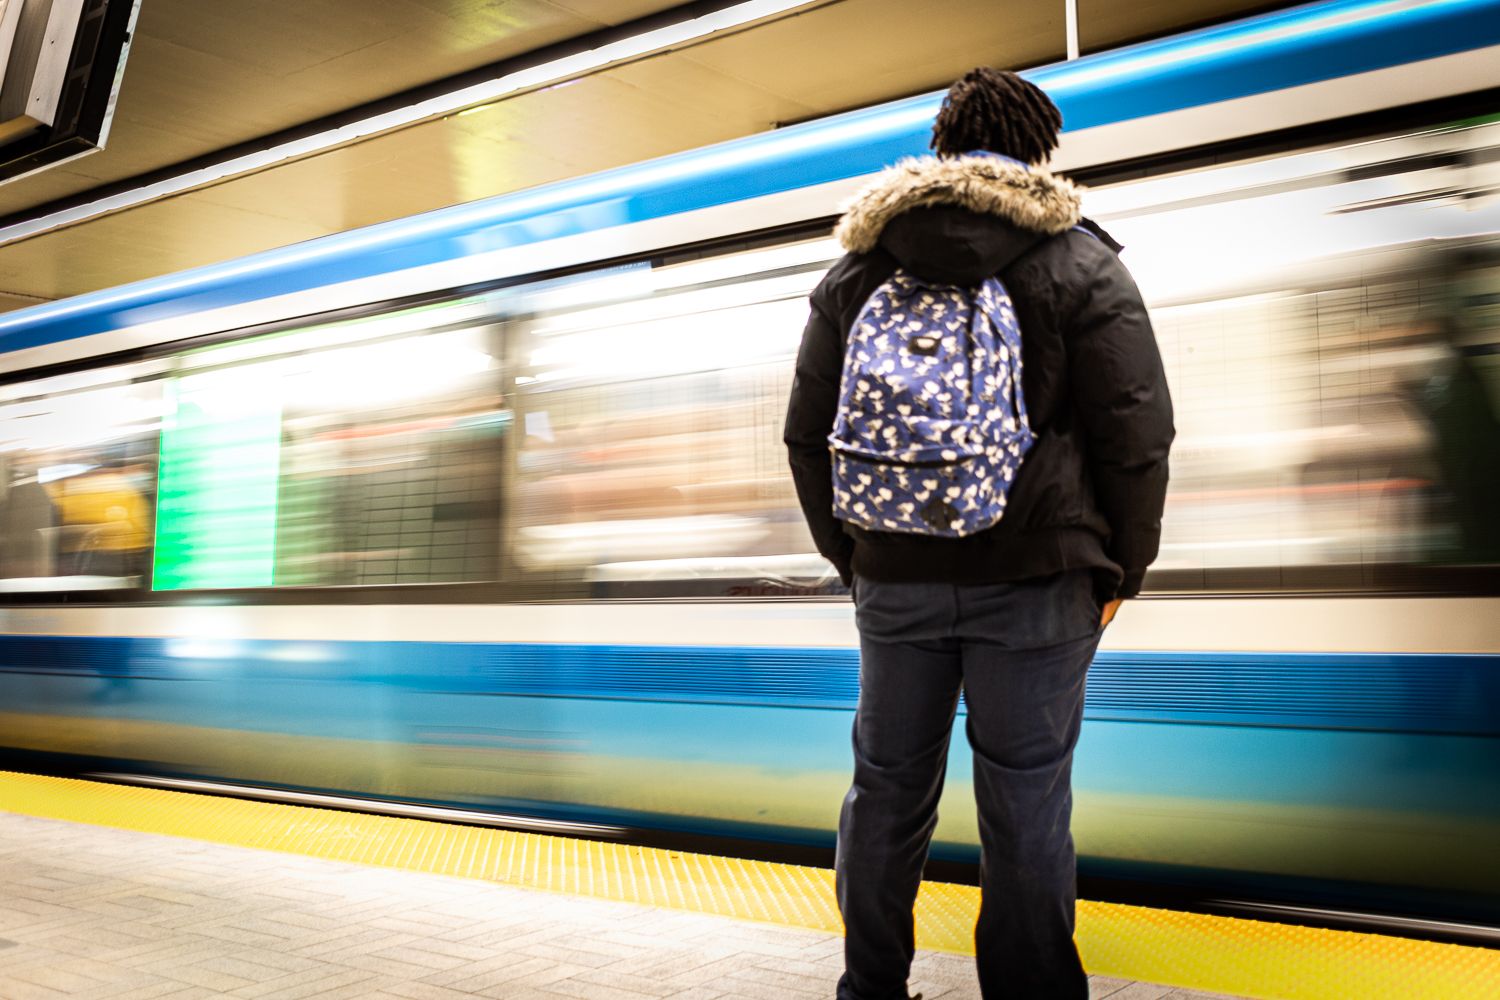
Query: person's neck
(997, 156)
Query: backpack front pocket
(942, 497)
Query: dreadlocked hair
(998, 111)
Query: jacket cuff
(1131, 585)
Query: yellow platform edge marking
(1195, 951)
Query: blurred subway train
(487, 509)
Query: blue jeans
(1020, 652)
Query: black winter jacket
(1091, 490)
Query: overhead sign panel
(60, 67)
(10, 17)
(36, 67)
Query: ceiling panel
(9, 302)
(837, 57)
(1104, 24)
(601, 121)
(205, 75)
(375, 181)
(180, 234)
(211, 74)
(54, 182)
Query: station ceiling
(203, 78)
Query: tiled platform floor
(93, 913)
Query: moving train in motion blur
(487, 509)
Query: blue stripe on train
(1453, 694)
(1306, 45)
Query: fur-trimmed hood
(959, 220)
(1029, 198)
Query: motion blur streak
(529, 547)
(1335, 368)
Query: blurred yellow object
(1196, 951)
(108, 504)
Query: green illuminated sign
(220, 458)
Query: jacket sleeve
(1120, 392)
(809, 420)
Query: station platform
(115, 892)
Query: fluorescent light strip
(555, 71)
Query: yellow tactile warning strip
(1217, 954)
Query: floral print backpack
(931, 426)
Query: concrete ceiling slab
(202, 77)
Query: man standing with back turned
(989, 518)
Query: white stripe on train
(1185, 624)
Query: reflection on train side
(1330, 321)
(651, 445)
(1331, 325)
(342, 454)
(78, 480)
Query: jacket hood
(958, 219)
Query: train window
(351, 454)
(1324, 321)
(651, 404)
(1328, 323)
(1328, 320)
(78, 480)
